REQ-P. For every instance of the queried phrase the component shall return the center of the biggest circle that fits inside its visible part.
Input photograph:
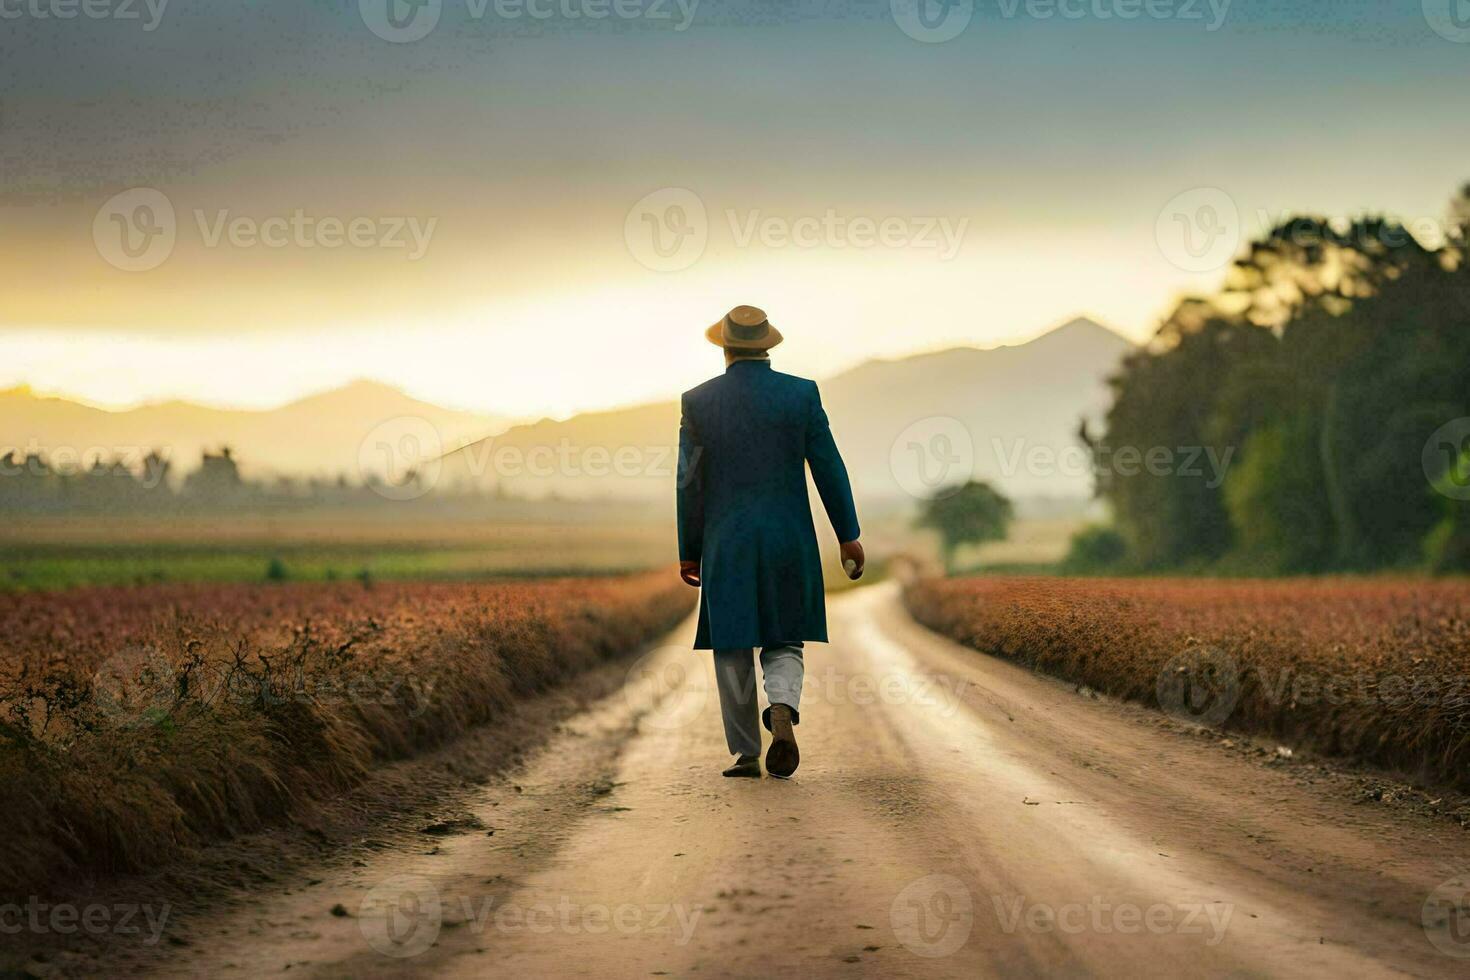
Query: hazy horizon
(715, 366)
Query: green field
(81, 551)
(89, 552)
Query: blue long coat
(745, 439)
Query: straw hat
(744, 328)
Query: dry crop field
(136, 722)
(1376, 670)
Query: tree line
(32, 483)
(1334, 365)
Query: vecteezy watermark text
(148, 12)
(138, 685)
(403, 458)
(95, 919)
(1212, 12)
(831, 229)
(669, 229)
(933, 916)
(1100, 916)
(1203, 685)
(406, 21)
(1190, 462)
(301, 230)
(402, 917)
(936, 455)
(936, 21)
(146, 466)
(1200, 229)
(568, 459)
(137, 229)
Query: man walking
(746, 537)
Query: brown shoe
(782, 757)
(746, 766)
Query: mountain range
(1005, 414)
(320, 435)
(902, 424)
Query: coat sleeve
(690, 492)
(828, 471)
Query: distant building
(218, 478)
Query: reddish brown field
(136, 722)
(1371, 669)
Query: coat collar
(758, 362)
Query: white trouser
(781, 670)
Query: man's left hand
(689, 572)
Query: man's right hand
(852, 552)
(689, 572)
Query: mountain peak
(358, 393)
(370, 385)
(1083, 328)
(360, 386)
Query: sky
(537, 206)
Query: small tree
(1095, 549)
(971, 514)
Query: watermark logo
(400, 459)
(1199, 230)
(1446, 459)
(1450, 19)
(135, 230)
(135, 686)
(667, 231)
(932, 21)
(1200, 685)
(667, 688)
(401, 916)
(1446, 917)
(934, 457)
(401, 21)
(932, 917)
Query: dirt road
(953, 816)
